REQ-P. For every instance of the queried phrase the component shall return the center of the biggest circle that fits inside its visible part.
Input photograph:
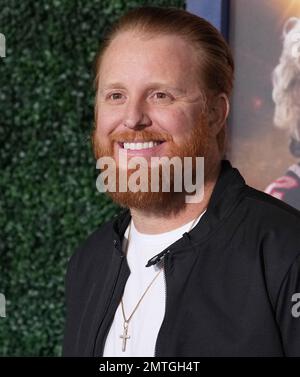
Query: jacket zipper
(165, 280)
(108, 327)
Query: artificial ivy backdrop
(49, 202)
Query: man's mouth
(139, 145)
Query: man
(171, 277)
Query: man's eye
(115, 96)
(162, 96)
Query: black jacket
(232, 281)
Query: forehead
(133, 56)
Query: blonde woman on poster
(286, 95)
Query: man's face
(149, 92)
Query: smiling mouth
(140, 145)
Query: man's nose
(136, 115)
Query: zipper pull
(157, 258)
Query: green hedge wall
(49, 202)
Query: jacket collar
(227, 194)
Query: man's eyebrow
(151, 86)
(112, 85)
(162, 85)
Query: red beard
(196, 145)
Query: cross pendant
(124, 336)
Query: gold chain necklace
(125, 336)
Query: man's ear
(218, 112)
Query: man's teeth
(147, 145)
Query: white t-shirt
(145, 323)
